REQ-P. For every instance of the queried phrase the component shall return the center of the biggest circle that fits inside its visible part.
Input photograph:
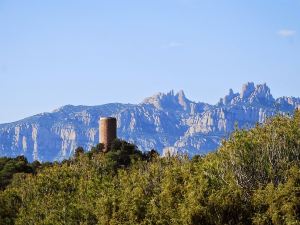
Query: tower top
(107, 118)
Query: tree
(78, 152)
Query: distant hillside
(165, 122)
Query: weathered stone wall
(108, 131)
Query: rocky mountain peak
(169, 100)
(262, 95)
(250, 94)
(182, 100)
(263, 91)
(247, 90)
(229, 97)
(180, 95)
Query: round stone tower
(107, 131)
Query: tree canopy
(253, 178)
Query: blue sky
(57, 52)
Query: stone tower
(107, 131)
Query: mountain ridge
(168, 122)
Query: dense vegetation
(11, 166)
(254, 178)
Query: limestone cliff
(164, 121)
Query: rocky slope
(166, 122)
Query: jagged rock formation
(164, 121)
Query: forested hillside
(253, 178)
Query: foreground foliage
(254, 178)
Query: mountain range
(167, 122)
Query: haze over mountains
(165, 122)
